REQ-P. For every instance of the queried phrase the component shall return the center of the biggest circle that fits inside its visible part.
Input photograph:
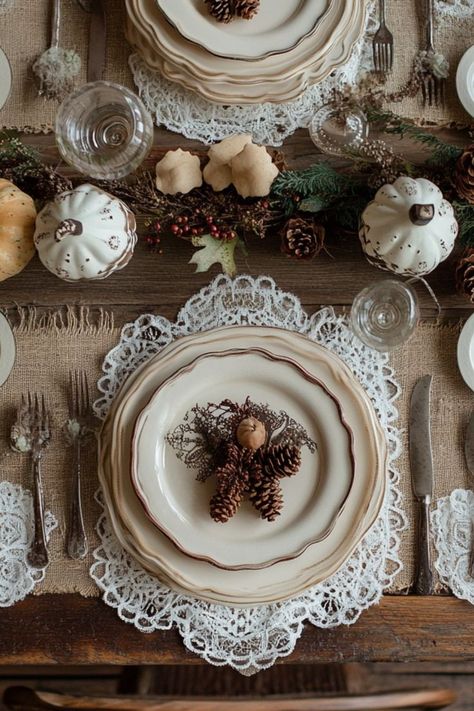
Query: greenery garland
(219, 222)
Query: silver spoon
(56, 68)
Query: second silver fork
(77, 429)
(382, 45)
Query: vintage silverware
(421, 463)
(77, 430)
(56, 68)
(31, 434)
(97, 41)
(469, 455)
(382, 45)
(435, 68)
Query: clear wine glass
(104, 130)
(333, 130)
(385, 314)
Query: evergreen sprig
(321, 189)
(465, 216)
(442, 153)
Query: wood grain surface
(69, 629)
(72, 630)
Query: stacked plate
(274, 57)
(160, 511)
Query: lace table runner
(184, 112)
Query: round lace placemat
(17, 578)
(253, 639)
(452, 523)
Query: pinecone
(302, 239)
(222, 10)
(230, 483)
(281, 461)
(247, 8)
(267, 497)
(464, 175)
(465, 275)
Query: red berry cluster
(152, 237)
(199, 223)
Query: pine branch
(443, 153)
(465, 216)
(321, 179)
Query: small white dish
(5, 78)
(465, 80)
(7, 349)
(465, 352)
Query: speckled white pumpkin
(409, 228)
(85, 233)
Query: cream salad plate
(279, 26)
(178, 503)
(160, 556)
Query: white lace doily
(249, 640)
(17, 578)
(455, 8)
(185, 112)
(451, 522)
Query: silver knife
(97, 42)
(421, 463)
(469, 455)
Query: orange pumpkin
(17, 226)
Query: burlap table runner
(24, 35)
(48, 348)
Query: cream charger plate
(276, 78)
(178, 504)
(279, 26)
(174, 49)
(208, 574)
(285, 579)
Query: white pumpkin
(85, 233)
(409, 228)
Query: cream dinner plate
(5, 78)
(276, 78)
(7, 349)
(465, 80)
(154, 551)
(178, 504)
(279, 25)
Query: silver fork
(77, 426)
(31, 434)
(435, 66)
(382, 45)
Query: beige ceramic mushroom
(223, 152)
(178, 172)
(253, 171)
(219, 177)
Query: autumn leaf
(214, 251)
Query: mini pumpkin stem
(66, 228)
(421, 214)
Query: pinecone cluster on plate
(249, 467)
(228, 10)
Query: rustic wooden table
(68, 629)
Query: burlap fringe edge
(68, 321)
